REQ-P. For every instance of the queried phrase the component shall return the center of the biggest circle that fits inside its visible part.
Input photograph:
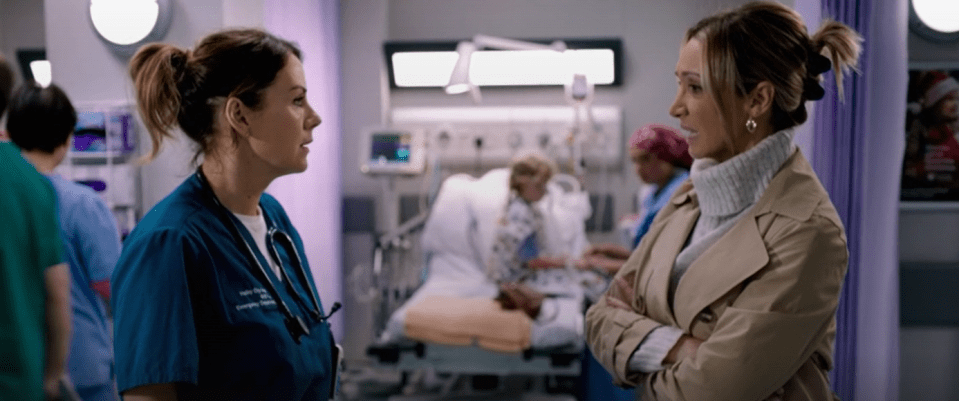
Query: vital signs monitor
(386, 150)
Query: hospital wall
(929, 270)
(89, 72)
(19, 20)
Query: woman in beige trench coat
(732, 293)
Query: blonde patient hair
(767, 41)
(530, 163)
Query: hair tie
(188, 84)
(178, 61)
(812, 90)
(818, 64)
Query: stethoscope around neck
(294, 324)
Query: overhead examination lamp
(42, 72)
(460, 78)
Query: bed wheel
(564, 359)
(485, 382)
(384, 354)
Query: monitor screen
(391, 147)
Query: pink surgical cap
(664, 142)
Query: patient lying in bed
(500, 259)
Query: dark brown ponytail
(154, 70)
(179, 88)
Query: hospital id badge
(336, 356)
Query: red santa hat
(936, 85)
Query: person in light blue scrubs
(213, 297)
(662, 160)
(661, 157)
(40, 122)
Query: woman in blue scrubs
(661, 158)
(212, 296)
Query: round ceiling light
(125, 24)
(937, 20)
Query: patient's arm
(522, 297)
(545, 262)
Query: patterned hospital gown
(518, 240)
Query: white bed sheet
(457, 242)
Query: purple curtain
(858, 143)
(839, 131)
(838, 134)
(312, 198)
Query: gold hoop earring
(750, 125)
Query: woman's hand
(520, 296)
(686, 347)
(620, 295)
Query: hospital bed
(451, 324)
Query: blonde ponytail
(842, 45)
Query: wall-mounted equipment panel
(102, 156)
(491, 136)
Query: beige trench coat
(763, 298)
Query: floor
(370, 384)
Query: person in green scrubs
(34, 281)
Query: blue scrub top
(190, 308)
(654, 202)
(91, 244)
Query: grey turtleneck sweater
(725, 191)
